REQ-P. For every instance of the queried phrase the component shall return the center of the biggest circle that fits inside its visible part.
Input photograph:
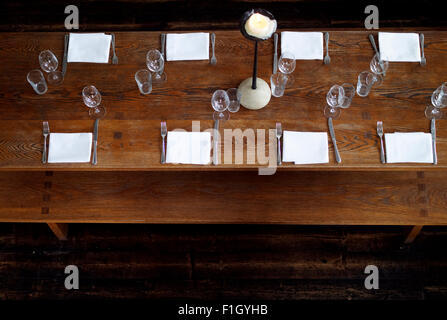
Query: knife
(215, 140)
(334, 141)
(275, 53)
(433, 140)
(64, 61)
(163, 41)
(95, 142)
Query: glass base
(378, 79)
(433, 113)
(330, 112)
(159, 78)
(55, 78)
(98, 112)
(221, 116)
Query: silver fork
(115, 58)
(164, 132)
(46, 132)
(380, 134)
(327, 58)
(421, 40)
(278, 137)
(213, 60)
(163, 42)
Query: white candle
(260, 26)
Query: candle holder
(255, 92)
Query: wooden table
(366, 192)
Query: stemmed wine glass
(92, 99)
(334, 98)
(286, 65)
(220, 102)
(438, 101)
(379, 68)
(48, 63)
(156, 63)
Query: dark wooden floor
(214, 262)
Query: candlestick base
(254, 99)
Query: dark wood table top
(129, 136)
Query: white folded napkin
(399, 47)
(187, 46)
(70, 147)
(303, 45)
(408, 147)
(305, 147)
(89, 47)
(188, 147)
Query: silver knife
(95, 142)
(163, 41)
(275, 53)
(433, 140)
(215, 140)
(64, 61)
(334, 141)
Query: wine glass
(334, 98)
(286, 65)
(48, 63)
(92, 99)
(156, 63)
(379, 68)
(220, 102)
(438, 101)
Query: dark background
(215, 262)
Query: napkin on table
(399, 47)
(187, 46)
(305, 147)
(188, 147)
(70, 147)
(303, 45)
(408, 147)
(89, 47)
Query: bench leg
(413, 234)
(60, 230)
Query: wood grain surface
(129, 136)
(329, 198)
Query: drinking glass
(278, 82)
(334, 98)
(438, 101)
(156, 63)
(92, 99)
(37, 81)
(365, 82)
(286, 65)
(220, 102)
(48, 63)
(349, 91)
(378, 67)
(235, 100)
(144, 81)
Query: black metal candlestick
(255, 67)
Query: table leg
(413, 234)
(60, 230)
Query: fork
(164, 132)
(380, 134)
(213, 60)
(46, 132)
(327, 58)
(115, 58)
(421, 40)
(163, 42)
(278, 137)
